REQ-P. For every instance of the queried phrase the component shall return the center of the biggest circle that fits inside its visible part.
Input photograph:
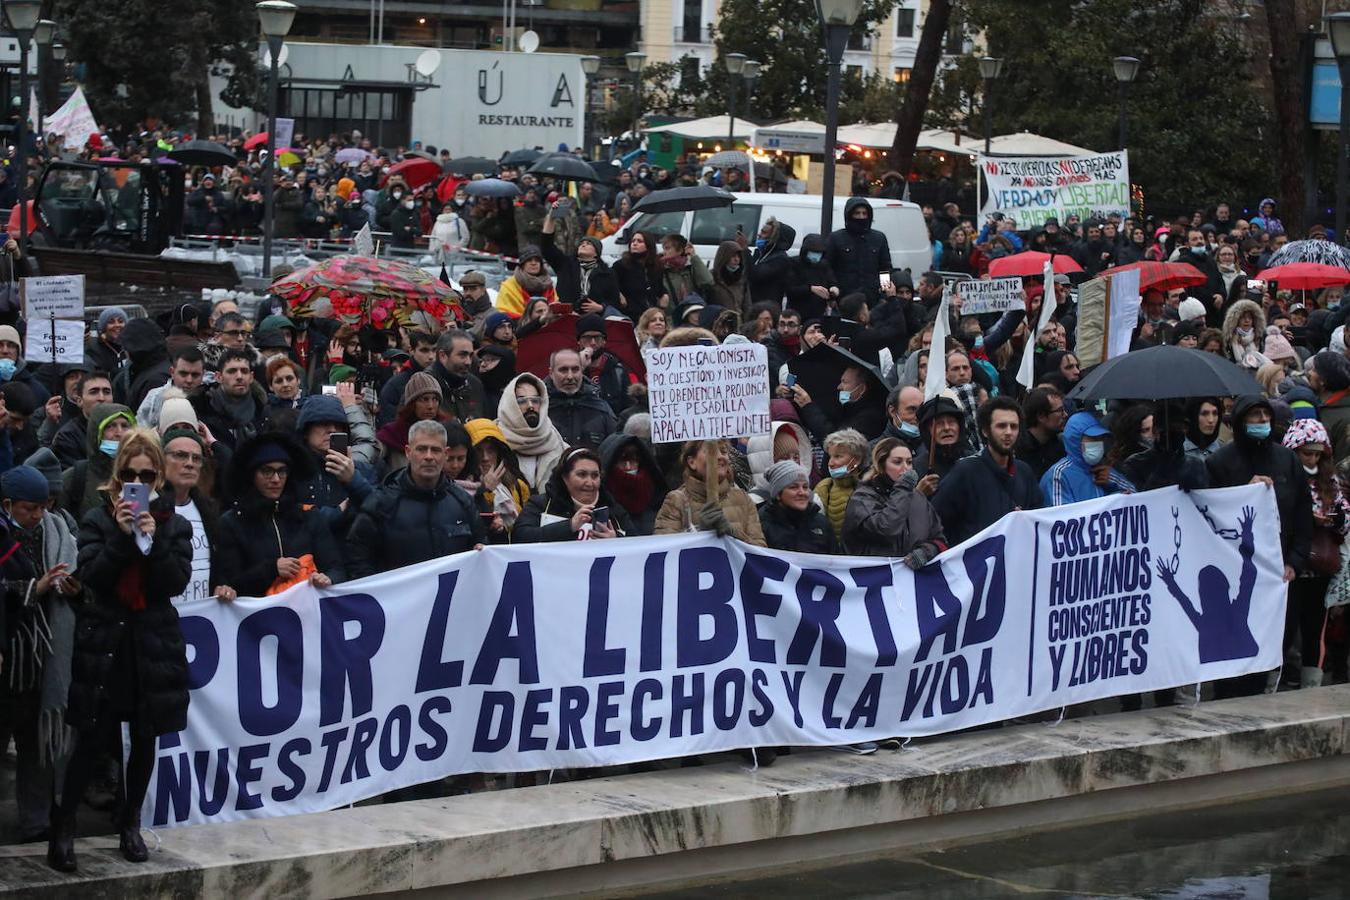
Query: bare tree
(927, 58)
(1291, 127)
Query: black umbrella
(565, 166)
(420, 154)
(819, 369)
(471, 165)
(682, 198)
(521, 157)
(1165, 373)
(491, 187)
(202, 153)
(1325, 252)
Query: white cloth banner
(992, 295)
(73, 120)
(544, 656)
(1032, 189)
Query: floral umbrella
(364, 290)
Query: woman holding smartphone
(573, 507)
(130, 663)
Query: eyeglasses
(144, 476)
(270, 473)
(530, 401)
(184, 456)
(234, 332)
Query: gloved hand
(921, 556)
(712, 518)
(908, 480)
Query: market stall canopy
(713, 128)
(1024, 143)
(794, 136)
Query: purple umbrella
(352, 155)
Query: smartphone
(790, 381)
(885, 279)
(1255, 284)
(330, 390)
(600, 515)
(337, 442)
(136, 495)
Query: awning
(712, 128)
(1024, 143)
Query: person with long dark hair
(567, 508)
(130, 660)
(639, 275)
(1204, 427)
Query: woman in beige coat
(731, 513)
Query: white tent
(1024, 143)
(713, 128)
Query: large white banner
(544, 656)
(1031, 189)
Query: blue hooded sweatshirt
(1070, 480)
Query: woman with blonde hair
(130, 660)
(652, 326)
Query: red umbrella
(1031, 262)
(1305, 276)
(1161, 276)
(258, 140)
(362, 290)
(533, 350)
(416, 172)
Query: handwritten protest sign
(706, 393)
(997, 295)
(1031, 189)
(55, 340)
(61, 296)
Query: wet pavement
(1290, 848)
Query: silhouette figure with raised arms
(1221, 622)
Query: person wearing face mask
(902, 411)
(858, 253)
(404, 223)
(811, 285)
(771, 268)
(634, 480)
(1244, 325)
(730, 288)
(1194, 250)
(584, 280)
(846, 454)
(1083, 473)
(108, 424)
(391, 198)
(1234, 280)
(353, 217)
(13, 367)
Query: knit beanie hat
(594, 242)
(107, 315)
(495, 321)
(10, 334)
(180, 432)
(1190, 308)
(1277, 346)
(340, 373)
(420, 383)
(783, 475)
(25, 483)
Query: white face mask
(1311, 470)
(1094, 452)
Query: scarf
(540, 442)
(587, 268)
(633, 490)
(240, 409)
(675, 262)
(532, 285)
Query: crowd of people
(280, 450)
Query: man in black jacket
(811, 285)
(577, 410)
(862, 406)
(461, 391)
(234, 407)
(583, 280)
(858, 253)
(417, 515)
(606, 373)
(982, 489)
(770, 266)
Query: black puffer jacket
(401, 524)
(883, 519)
(116, 649)
(806, 274)
(858, 256)
(256, 532)
(804, 532)
(603, 288)
(771, 268)
(583, 419)
(531, 527)
(1241, 460)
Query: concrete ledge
(636, 830)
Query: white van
(902, 223)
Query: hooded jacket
(859, 254)
(1237, 463)
(1070, 480)
(730, 289)
(759, 455)
(80, 483)
(257, 532)
(1246, 353)
(539, 447)
(888, 519)
(148, 358)
(771, 269)
(401, 524)
(806, 274)
(643, 520)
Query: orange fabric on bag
(307, 568)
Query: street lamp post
(590, 67)
(43, 35)
(735, 63)
(990, 68)
(635, 61)
(1127, 69)
(837, 18)
(23, 21)
(274, 18)
(1338, 27)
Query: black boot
(131, 845)
(61, 845)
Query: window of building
(853, 71)
(901, 76)
(689, 72)
(691, 22)
(904, 22)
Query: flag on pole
(74, 121)
(936, 382)
(364, 242)
(1026, 371)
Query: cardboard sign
(285, 133)
(708, 393)
(61, 296)
(55, 341)
(997, 295)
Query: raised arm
(1166, 575)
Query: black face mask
(857, 226)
